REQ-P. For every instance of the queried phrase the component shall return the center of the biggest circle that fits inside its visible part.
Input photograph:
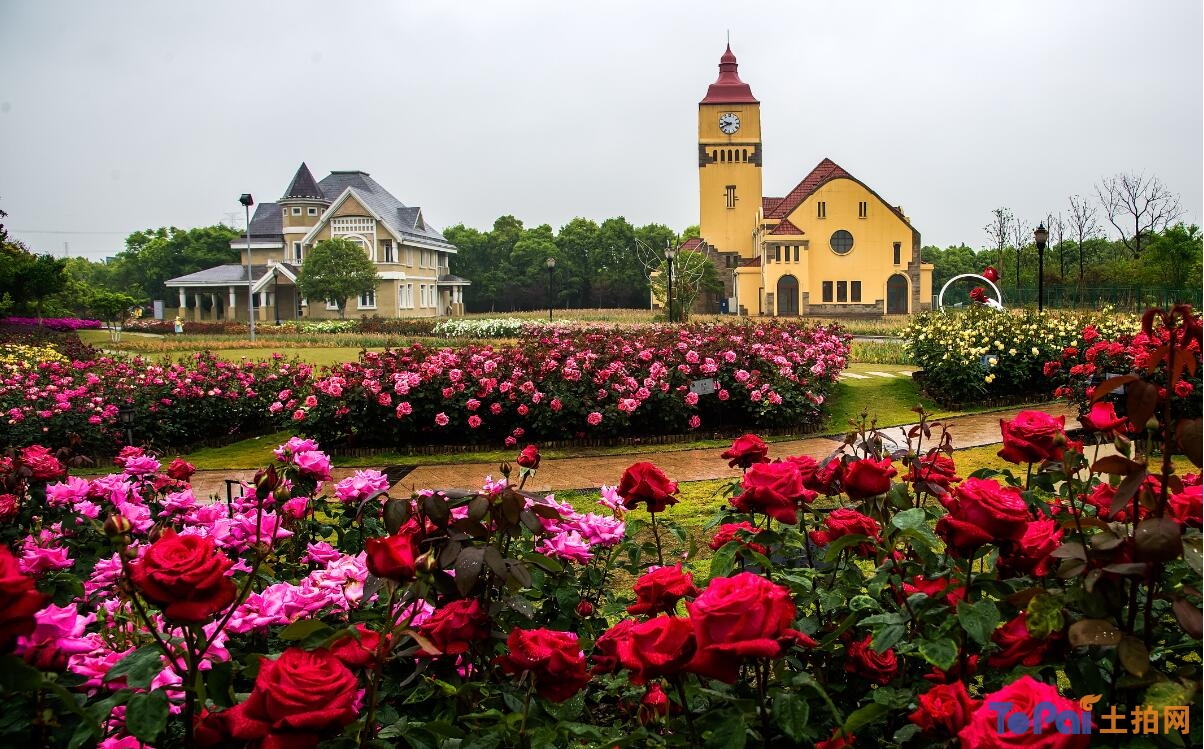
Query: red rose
(863, 660)
(19, 601)
(584, 608)
(606, 648)
(978, 295)
(1033, 437)
(997, 510)
(729, 532)
(945, 708)
(654, 705)
(933, 473)
(941, 586)
(1022, 696)
(1187, 506)
(41, 463)
(1102, 418)
(956, 672)
(657, 647)
(990, 274)
(839, 740)
(8, 507)
(554, 660)
(529, 457)
(357, 652)
(181, 470)
(774, 489)
(644, 482)
(846, 522)
(1031, 554)
(827, 477)
(393, 556)
(746, 451)
(185, 576)
(1016, 645)
(661, 589)
(868, 478)
(453, 628)
(298, 700)
(744, 616)
(962, 538)
(806, 466)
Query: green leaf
(728, 734)
(1193, 552)
(18, 676)
(1044, 615)
(910, 519)
(139, 667)
(863, 716)
(863, 603)
(146, 715)
(940, 653)
(724, 560)
(979, 620)
(301, 629)
(791, 713)
(886, 637)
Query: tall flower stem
(680, 686)
(522, 728)
(656, 536)
(762, 689)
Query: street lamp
(551, 263)
(669, 253)
(247, 202)
(125, 413)
(1041, 236)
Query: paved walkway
(681, 465)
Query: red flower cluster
(644, 483)
(773, 489)
(660, 590)
(1034, 437)
(846, 522)
(553, 659)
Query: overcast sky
(119, 115)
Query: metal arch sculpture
(996, 303)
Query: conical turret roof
(303, 186)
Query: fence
(1122, 298)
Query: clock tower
(729, 161)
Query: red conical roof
(728, 88)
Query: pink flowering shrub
(561, 382)
(54, 323)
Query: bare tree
(1145, 202)
(997, 232)
(1057, 235)
(1019, 234)
(1082, 226)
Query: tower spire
(728, 88)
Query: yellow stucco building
(410, 255)
(832, 246)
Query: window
(296, 210)
(311, 211)
(842, 291)
(409, 255)
(863, 209)
(331, 305)
(841, 242)
(827, 292)
(405, 296)
(854, 291)
(731, 196)
(898, 253)
(368, 301)
(777, 254)
(821, 210)
(386, 250)
(297, 252)
(796, 253)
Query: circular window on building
(841, 242)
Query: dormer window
(311, 211)
(296, 210)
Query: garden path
(681, 465)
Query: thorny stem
(656, 536)
(369, 730)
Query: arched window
(744, 155)
(723, 155)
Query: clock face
(729, 123)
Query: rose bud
(426, 563)
(117, 525)
(155, 533)
(266, 482)
(529, 457)
(504, 468)
(584, 608)
(654, 705)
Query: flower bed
(54, 323)
(969, 355)
(494, 327)
(850, 602)
(580, 382)
(177, 405)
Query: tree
(153, 256)
(113, 307)
(1145, 202)
(1082, 226)
(1020, 234)
(578, 242)
(336, 270)
(693, 273)
(1174, 256)
(997, 231)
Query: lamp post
(247, 202)
(551, 263)
(125, 414)
(1041, 236)
(669, 253)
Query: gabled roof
(768, 204)
(692, 243)
(785, 227)
(303, 186)
(218, 275)
(267, 223)
(728, 88)
(826, 170)
(402, 220)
